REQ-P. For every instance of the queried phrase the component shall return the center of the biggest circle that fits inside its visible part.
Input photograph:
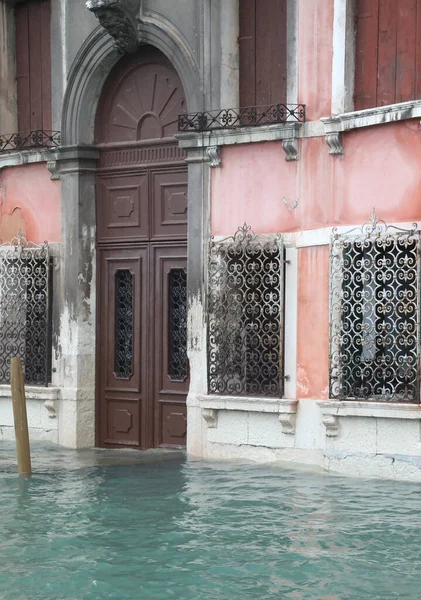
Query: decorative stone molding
(213, 154)
(93, 63)
(379, 410)
(334, 141)
(287, 420)
(290, 147)
(75, 159)
(211, 417)
(119, 19)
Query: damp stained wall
(30, 204)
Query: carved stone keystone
(119, 18)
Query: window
(33, 65)
(388, 52)
(245, 308)
(263, 47)
(374, 331)
(123, 354)
(25, 310)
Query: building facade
(243, 281)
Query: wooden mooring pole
(21, 419)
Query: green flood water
(129, 525)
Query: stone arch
(93, 64)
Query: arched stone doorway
(141, 207)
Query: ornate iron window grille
(29, 140)
(24, 309)
(123, 353)
(245, 315)
(177, 330)
(251, 116)
(375, 313)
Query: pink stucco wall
(313, 322)
(380, 169)
(30, 203)
(315, 49)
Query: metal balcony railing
(251, 116)
(38, 138)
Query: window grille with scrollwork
(375, 313)
(245, 315)
(24, 309)
(177, 325)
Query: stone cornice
(336, 125)
(287, 133)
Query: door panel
(171, 379)
(123, 208)
(122, 354)
(169, 204)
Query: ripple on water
(195, 530)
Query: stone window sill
(333, 410)
(336, 125)
(48, 395)
(285, 408)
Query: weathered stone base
(375, 440)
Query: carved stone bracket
(213, 154)
(51, 406)
(334, 141)
(211, 417)
(331, 423)
(120, 19)
(290, 146)
(287, 421)
(52, 167)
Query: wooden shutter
(388, 52)
(33, 64)
(262, 52)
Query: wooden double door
(141, 207)
(143, 368)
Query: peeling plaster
(303, 384)
(196, 328)
(12, 224)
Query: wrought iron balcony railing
(251, 116)
(29, 140)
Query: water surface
(127, 525)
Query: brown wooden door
(123, 346)
(169, 345)
(142, 369)
(142, 366)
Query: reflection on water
(194, 530)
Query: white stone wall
(357, 439)
(41, 407)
